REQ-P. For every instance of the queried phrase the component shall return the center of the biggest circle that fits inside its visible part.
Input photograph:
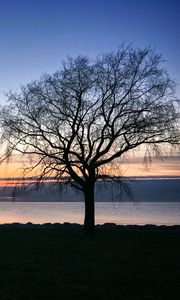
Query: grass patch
(115, 264)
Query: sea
(122, 213)
(153, 201)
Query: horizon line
(64, 177)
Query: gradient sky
(36, 35)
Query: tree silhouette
(88, 114)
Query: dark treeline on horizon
(137, 190)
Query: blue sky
(36, 35)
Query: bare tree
(90, 113)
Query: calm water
(119, 213)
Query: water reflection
(119, 213)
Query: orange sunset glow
(135, 167)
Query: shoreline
(73, 226)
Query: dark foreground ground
(118, 263)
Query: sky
(37, 35)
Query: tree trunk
(89, 220)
